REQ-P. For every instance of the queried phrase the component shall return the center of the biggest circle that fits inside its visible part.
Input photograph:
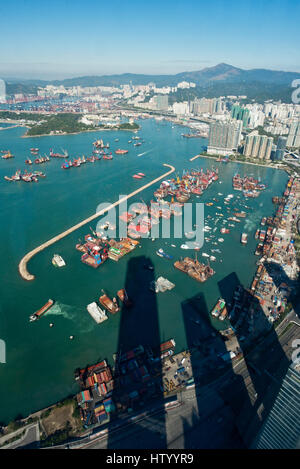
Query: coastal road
(30, 438)
(205, 420)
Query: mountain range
(207, 76)
(220, 80)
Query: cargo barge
(41, 311)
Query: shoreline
(76, 133)
(237, 161)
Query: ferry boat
(110, 305)
(58, 261)
(96, 312)
(41, 311)
(218, 308)
(244, 238)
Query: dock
(26, 275)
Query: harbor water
(40, 361)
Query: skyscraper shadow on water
(231, 398)
(210, 422)
(265, 362)
(138, 379)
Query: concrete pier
(194, 157)
(23, 263)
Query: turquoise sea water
(40, 360)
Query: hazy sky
(62, 38)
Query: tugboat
(41, 311)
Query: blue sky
(64, 38)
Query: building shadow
(258, 377)
(211, 421)
(138, 385)
(285, 285)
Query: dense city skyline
(61, 39)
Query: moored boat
(98, 314)
(218, 308)
(244, 238)
(122, 295)
(110, 305)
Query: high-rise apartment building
(224, 137)
(293, 139)
(258, 146)
(2, 91)
(240, 113)
(280, 149)
(162, 102)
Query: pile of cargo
(161, 285)
(118, 249)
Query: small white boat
(220, 240)
(58, 261)
(184, 246)
(212, 258)
(204, 254)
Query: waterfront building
(281, 145)
(293, 139)
(281, 430)
(258, 146)
(224, 137)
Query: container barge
(41, 311)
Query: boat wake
(69, 312)
(144, 153)
(59, 309)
